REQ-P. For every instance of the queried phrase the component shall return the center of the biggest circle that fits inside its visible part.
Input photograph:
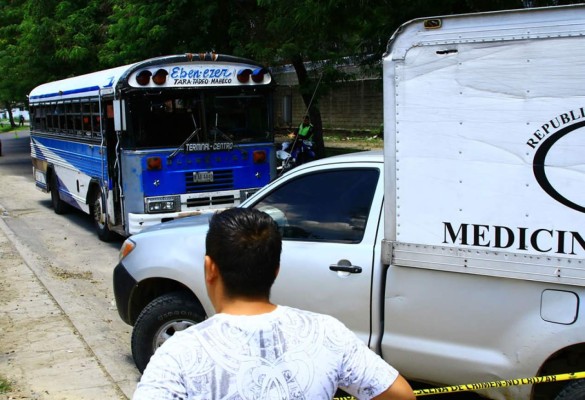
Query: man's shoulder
(324, 318)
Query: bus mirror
(143, 77)
(244, 75)
(160, 77)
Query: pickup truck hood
(172, 250)
(179, 223)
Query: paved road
(60, 334)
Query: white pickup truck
(457, 253)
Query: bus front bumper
(213, 201)
(139, 222)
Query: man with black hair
(254, 349)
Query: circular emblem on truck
(561, 159)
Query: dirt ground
(28, 313)
(42, 353)
(10, 297)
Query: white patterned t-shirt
(285, 354)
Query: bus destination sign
(198, 75)
(216, 146)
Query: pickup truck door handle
(345, 266)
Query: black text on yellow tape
(487, 385)
(498, 384)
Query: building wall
(351, 106)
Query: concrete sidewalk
(41, 353)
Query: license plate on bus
(203, 176)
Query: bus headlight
(162, 204)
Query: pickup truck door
(329, 219)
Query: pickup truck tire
(573, 391)
(159, 320)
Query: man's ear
(211, 271)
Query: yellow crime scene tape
(488, 385)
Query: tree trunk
(8, 107)
(310, 100)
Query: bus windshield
(169, 119)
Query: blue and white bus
(153, 141)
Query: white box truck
(484, 161)
(459, 252)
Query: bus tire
(159, 320)
(59, 206)
(573, 391)
(100, 216)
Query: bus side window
(78, 119)
(95, 125)
(109, 122)
(86, 119)
(86, 125)
(50, 117)
(60, 112)
(39, 120)
(95, 120)
(110, 109)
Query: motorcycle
(293, 155)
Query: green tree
(45, 40)
(61, 38)
(143, 29)
(12, 87)
(79, 31)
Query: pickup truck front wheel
(573, 391)
(159, 320)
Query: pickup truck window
(330, 206)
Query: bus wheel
(100, 217)
(59, 205)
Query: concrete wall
(351, 106)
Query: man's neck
(245, 307)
